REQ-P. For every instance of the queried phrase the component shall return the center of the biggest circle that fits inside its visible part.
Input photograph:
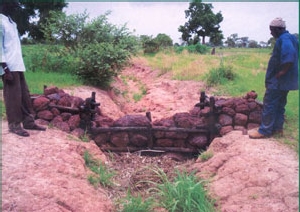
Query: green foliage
(99, 49)
(201, 22)
(197, 48)
(153, 45)
(220, 75)
(64, 29)
(204, 156)
(50, 58)
(163, 40)
(193, 48)
(34, 14)
(186, 193)
(136, 204)
(101, 174)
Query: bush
(198, 48)
(220, 75)
(99, 62)
(99, 49)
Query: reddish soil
(46, 171)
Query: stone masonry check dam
(188, 132)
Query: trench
(135, 145)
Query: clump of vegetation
(101, 174)
(136, 204)
(182, 192)
(195, 48)
(220, 75)
(153, 45)
(204, 156)
(99, 49)
(186, 193)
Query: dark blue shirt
(285, 51)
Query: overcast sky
(247, 19)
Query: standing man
(16, 94)
(281, 77)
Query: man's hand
(7, 74)
(8, 77)
(284, 68)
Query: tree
(153, 45)
(253, 44)
(163, 40)
(34, 14)
(202, 22)
(231, 40)
(65, 29)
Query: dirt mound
(46, 171)
(251, 175)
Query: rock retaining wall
(183, 132)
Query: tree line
(97, 50)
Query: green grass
(185, 193)
(135, 204)
(101, 174)
(37, 80)
(204, 156)
(249, 66)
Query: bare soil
(46, 171)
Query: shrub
(99, 62)
(219, 75)
(198, 48)
(100, 48)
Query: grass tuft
(101, 174)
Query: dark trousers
(273, 111)
(17, 100)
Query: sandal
(20, 132)
(17, 129)
(35, 127)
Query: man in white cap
(281, 77)
(16, 94)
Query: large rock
(132, 121)
(185, 120)
(164, 142)
(242, 108)
(225, 120)
(40, 103)
(255, 117)
(120, 139)
(200, 141)
(240, 119)
(74, 122)
(45, 115)
(139, 140)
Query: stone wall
(183, 132)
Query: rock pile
(63, 111)
(185, 132)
